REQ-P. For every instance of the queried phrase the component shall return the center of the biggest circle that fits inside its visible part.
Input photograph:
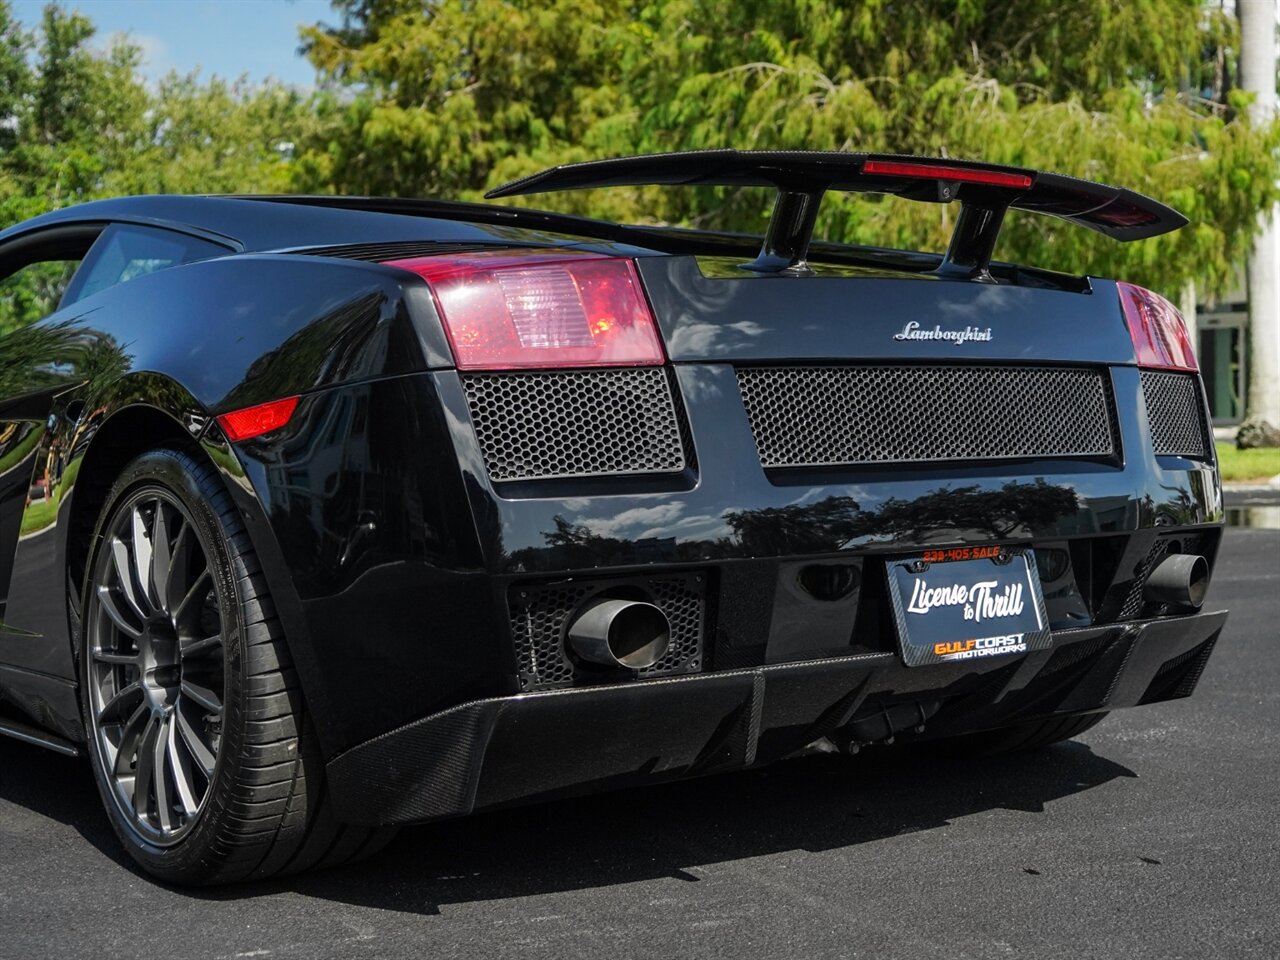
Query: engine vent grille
(576, 423)
(539, 615)
(826, 416)
(1175, 414)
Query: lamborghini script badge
(913, 331)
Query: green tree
(213, 136)
(81, 123)
(80, 114)
(455, 96)
(77, 123)
(14, 75)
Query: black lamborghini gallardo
(320, 515)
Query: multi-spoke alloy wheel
(157, 673)
(199, 737)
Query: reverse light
(1159, 334)
(255, 421)
(519, 310)
(941, 171)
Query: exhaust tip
(1181, 579)
(620, 633)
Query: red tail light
(939, 171)
(518, 310)
(1160, 337)
(255, 421)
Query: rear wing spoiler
(985, 192)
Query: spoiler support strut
(973, 241)
(786, 242)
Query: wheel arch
(130, 426)
(118, 439)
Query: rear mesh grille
(575, 424)
(538, 623)
(1175, 414)
(820, 416)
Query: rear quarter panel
(188, 342)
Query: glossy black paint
(261, 224)
(372, 526)
(183, 344)
(753, 318)
(388, 550)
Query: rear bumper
(514, 749)
(397, 565)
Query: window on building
(1222, 363)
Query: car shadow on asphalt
(814, 804)
(60, 788)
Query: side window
(33, 292)
(124, 252)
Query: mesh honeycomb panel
(1175, 414)
(575, 423)
(540, 614)
(820, 416)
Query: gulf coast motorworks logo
(913, 331)
(981, 602)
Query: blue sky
(223, 37)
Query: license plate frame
(967, 604)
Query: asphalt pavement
(1154, 835)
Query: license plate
(967, 603)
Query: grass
(1239, 466)
(41, 513)
(19, 453)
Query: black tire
(1024, 736)
(260, 808)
